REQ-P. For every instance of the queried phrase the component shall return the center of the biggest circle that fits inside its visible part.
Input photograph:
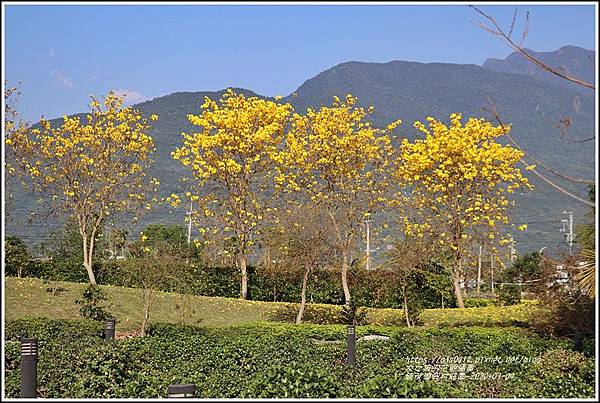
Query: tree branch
(492, 109)
(548, 181)
(497, 31)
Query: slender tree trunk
(457, 274)
(345, 276)
(88, 267)
(479, 270)
(345, 263)
(303, 297)
(244, 284)
(87, 258)
(457, 290)
(147, 295)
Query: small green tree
(93, 303)
(525, 269)
(17, 256)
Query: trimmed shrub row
(281, 360)
(369, 288)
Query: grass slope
(31, 297)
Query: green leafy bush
(509, 294)
(295, 380)
(48, 330)
(479, 302)
(93, 303)
(286, 360)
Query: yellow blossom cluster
(459, 178)
(95, 162)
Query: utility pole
(368, 250)
(513, 253)
(108, 242)
(479, 269)
(189, 213)
(567, 228)
(492, 264)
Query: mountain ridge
(412, 91)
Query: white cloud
(62, 78)
(51, 52)
(94, 74)
(131, 96)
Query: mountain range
(531, 100)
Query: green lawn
(33, 297)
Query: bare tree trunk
(457, 290)
(244, 284)
(90, 271)
(479, 270)
(345, 263)
(87, 257)
(147, 295)
(345, 276)
(303, 297)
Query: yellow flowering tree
(90, 169)
(459, 179)
(12, 124)
(232, 158)
(336, 161)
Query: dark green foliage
(93, 303)
(479, 302)
(313, 313)
(174, 331)
(525, 269)
(17, 258)
(373, 288)
(295, 380)
(351, 314)
(173, 235)
(288, 361)
(46, 329)
(509, 294)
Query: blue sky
(64, 53)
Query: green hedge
(480, 302)
(51, 330)
(373, 288)
(281, 360)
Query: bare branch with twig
(496, 30)
(494, 112)
(496, 116)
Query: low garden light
(182, 390)
(351, 343)
(29, 359)
(578, 342)
(109, 328)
